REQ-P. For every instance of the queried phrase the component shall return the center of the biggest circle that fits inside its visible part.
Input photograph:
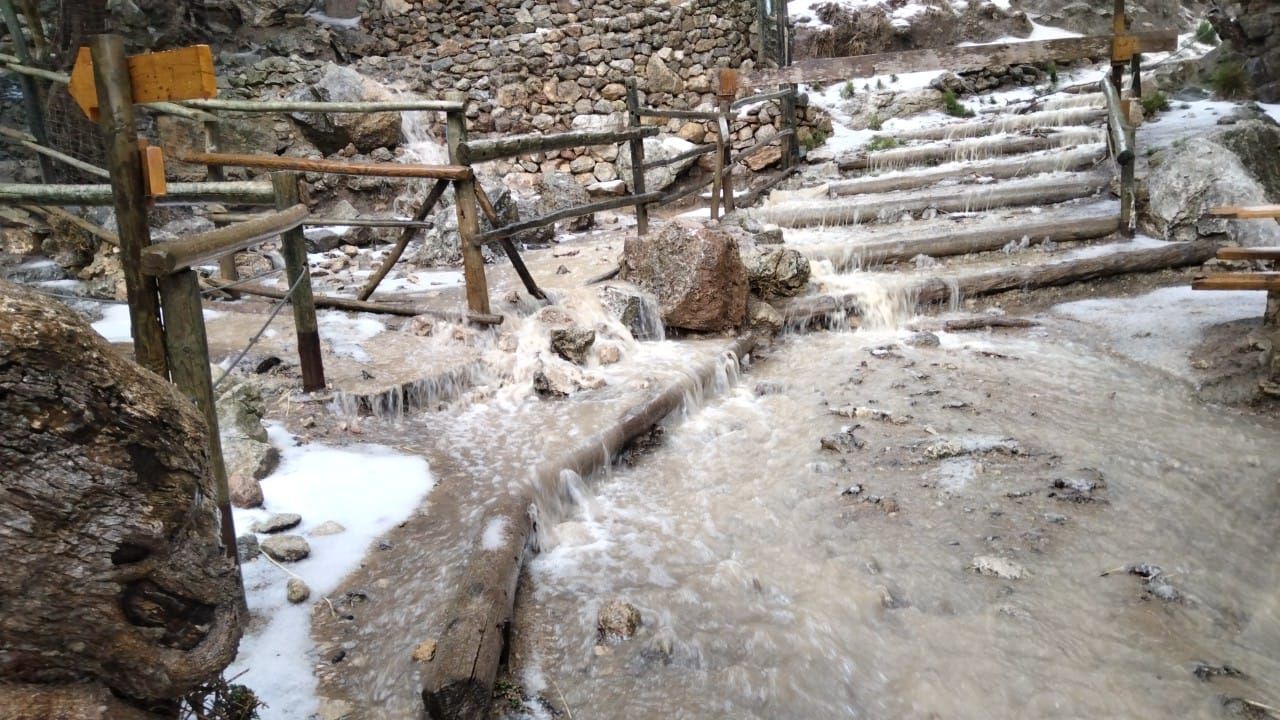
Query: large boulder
(559, 191)
(115, 574)
(659, 148)
(1234, 166)
(332, 132)
(695, 271)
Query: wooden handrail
(761, 98)
(1252, 212)
(477, 151)
(505, 232)
(335, 167)
(1265, 254)
(1269, 282)
(168, 258)
(248, 193)
(318, 106)
(1121, 149)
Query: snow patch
(495, 534)
(346, 335)
(116, 327)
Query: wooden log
(457, 682)
(790, 123)
(227, 269)
(1265, 254)
(1121, 148)
(349, 305)
(982, 322)
(298, 277)
(636, 146)
(970, 57)
(479, 151)
(240, 193)
(1268, 281)
(948, 241)
(198, 249)
(509, 247)
(724, 168)
(53, 213)
(1081, 158)
(923, 155)
(188, 349)
(322, 221)
(308, 106)
(406, 235)
(466, 207)
(334, 167)
(551, 218)
(697, 151)
(1250, 212)
(120, 134)
(871, 208)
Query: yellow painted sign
(171, 75)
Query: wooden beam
(1250, 212)
(1268, 281)
(1121, 149)
(335, 167)
(298, 275)
(636, 148)
(697, 151)
(1256, 253)
(242, 193)
(485, 150)
(308, 106)
(324, 221)
(969, 57)
(338, 303)
(467, 209)
(406, 235)
(505, 232)
(171, 257)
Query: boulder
(1233, 166)
(333, 132)
(659, 148)
(559, 191)
(617, 620)
(637, 310)
(245, 448)
(696, 273)
(572, 344)
(776, 271)
(246, 491)
(115, 573)
(442, 246)
(286, 548)
(276, 523)
(297, 591)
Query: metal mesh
(69, 130)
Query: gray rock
(276, 523)
(998, 567)
(573, 344)
(763, 317)
(297, 591)
(775, 271)
(696, 273)
(246, 491)
(659, 148)
(634, 308)
(923, 339)
(617, 620)
(843, 442)
(248, 548)
(333, 132)
(327, 528)
(559, 191)
(245, 448)
(286, 548)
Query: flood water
(777, 579)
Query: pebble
(327, 528)
(286, 548)
(276, 523)
(248, 548)
(617, 620)
(297, 591)
(998, 567)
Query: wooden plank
(1256, 253)
(120, 137)
(406, 235)
(153, 170)
(339, 303)
(707, 115)
(485, 150)
(298, 275)
(178, 255)
(467, 208)
(551, 218)
(336, 167)
(969, 57)
(182, 74)
(1249, 212)
(761, 98)
(1269, 281)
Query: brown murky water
(780, 580)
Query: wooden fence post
(1119, 26)
(1129, 187)
(1136, 67)
(791, 143)
(120, 133)
(637, 158)
(212, 144)
(298, 273)
(30, 90)
(188, 349)
(468, 209)
(728, 89)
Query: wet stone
(297, 591)
(1002, 568)
(923, 339)
(327, 528)
(617, 620)
(572, 344)
(286, 548)
(248, 548)
(276, 523)
(843, 442)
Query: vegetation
(814, 140)
(1052, 70)
(1155, 102)
(220, 700)
(953, 107)
(882, 142)
(1206, 35)
(848, 91)
(875, 122)
(1229, 80)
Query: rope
(254, 341)
(238, 283)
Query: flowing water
(777, 579)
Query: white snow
(368, 489)
(346, 335)
(495, 532)
(116, 327)
(1184, 120)
(1162, 327)
(1272, 110)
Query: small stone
(297, 591)
(276, 523)
(327, 528)
(617, 620)
(426, 652)
(286, 548)
(572, 344)
(248, 548)
(608, 354)
(843, 442)
(246, 492)
(998, 567)
(923, 339)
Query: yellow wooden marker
(169, 76)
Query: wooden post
(468, 217)
(298, 272)
(1119, 26)
(30, 90)
(637, 157)
(1136, 67)
(188, 349)
(226, 264)
(120, 133)
(727, 90)
(1129, 188)
(791, 143)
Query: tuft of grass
(953, 107)
(1206, 35)
(848, 91)
(1155, 102)
(1052, 70)
(875, 122)
(1229, 80)
(814, 140)
(893, 78)
(882, 142)
(879, 84)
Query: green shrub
(1206, 35)
(1229, 80)
(815, 140)
(881, 142)
(1052, 70)
(1155, 102)
(848, 91)
(953, 107)
(893, 78)
(875, 122)
(879, 84)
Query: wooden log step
(1082, 116)
(1267, 281)
(1249, 212)
(1081, 158)
(1255, 253)
(1039, 190)
(971, 150)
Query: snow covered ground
(115, 325)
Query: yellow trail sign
(171, 75)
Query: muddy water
(779, 580)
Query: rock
(955, 447)
(115, 574)
(572, 344)
(661, 79)
(276, 523)
(608, 354)
(248, 548)
(442, 246)
(695, 272)
(424, 653)
(617, 620)
(843, 442)
(557, 379)
(297, 591)
(245, 447)
(246, 492)
(775, 271)
(923, 339)
(1228, 167)
(634, 308)
(764, 159)
(327, 528)
(763, 317)
(559, 191)
(997, 567)
(333, 132)
(659, 148)
(78, 701)
(613, 188)
(286, 548)
(693, 132)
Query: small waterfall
(426, 394)
(420, 147)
